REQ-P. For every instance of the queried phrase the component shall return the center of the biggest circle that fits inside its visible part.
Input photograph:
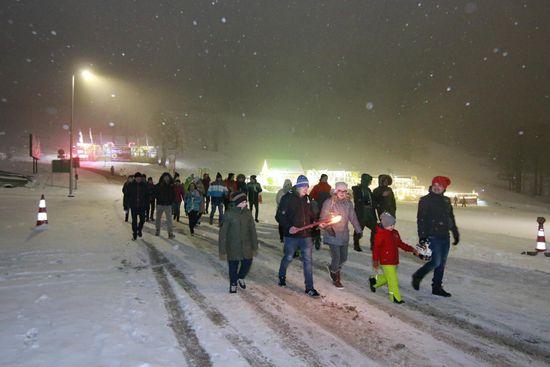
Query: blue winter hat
(302, 181)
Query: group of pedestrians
(306, 219)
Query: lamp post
(86, 74)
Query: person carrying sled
(385, 254)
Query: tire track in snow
(245, 346)
(187, 339)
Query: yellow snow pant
(390, 278)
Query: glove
(456, 237)
(423, 241)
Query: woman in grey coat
(337, 235)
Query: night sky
(456, 72)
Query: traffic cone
(541, 239)
(42, 212)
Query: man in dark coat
(206, 183)
(138, 201)
(152, 197)
(295, 211)
(435, 220)
(254, 189)
(383, 197)
(364, 209)
(125, 206)
(165, 196)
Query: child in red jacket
(385, 253)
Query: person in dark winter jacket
(383, 197)
(435, 220)
(295, 211)
(165, 197)
(138, 200)
(241, 183)
(385, 253)
(193, 203)
(217, 191)
(238, 241)
(254, 189)
(287, 186)
(152, 195)
(337, 235)
(179, 195)
(319, 194)
(364, 209)
(125, 205)
(206, 184)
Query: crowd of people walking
(306, 220)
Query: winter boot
(439, 291)
(357, 247)
(416, 282)
(134, 236)
(317, 243)
(140, 234)
(282, 281)
(157, 233)
(233, 288)
(338, 282)
(241, 283)
(372, 283)
(171, 236)
(312, 293)
(331, 274)
(399, 302)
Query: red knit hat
(442, 180)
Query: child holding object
(385, 254)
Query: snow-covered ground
(82, 293)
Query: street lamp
(86, 75)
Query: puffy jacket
(217, 192)
(165, 191)
(383, 197)
(193, 201)
(386, 246)
(338, 233)
(137, 195)
(295, 211)
(364, 203)
(238, 239)
(254, 189)
(435, 216)
(320, 192)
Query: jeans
(152, 209)
(339, 255)
(305, 244)
(135, 213)
(440, 250)
(255, 205)
(164, 209)
(193, 219)
(236, 273)
(176, 210)
(220, 209)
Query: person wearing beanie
(138, 201)
(337, 235)
(385, 254)
(435, 219)
(364, 209)
(218, 194)
(238, 241)
(383, 197)
(295, 211)
(319, 194)
(254, 190)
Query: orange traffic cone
(42, 212)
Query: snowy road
(82, 293)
